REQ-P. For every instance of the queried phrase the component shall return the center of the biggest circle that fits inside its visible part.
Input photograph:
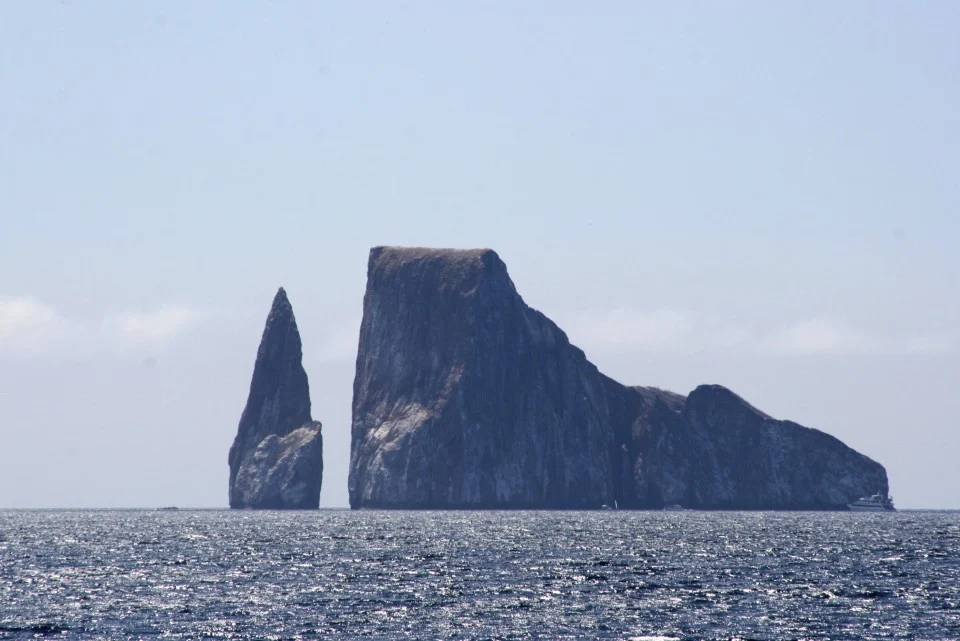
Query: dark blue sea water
(478, 575)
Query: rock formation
(714, 450)
(276, 461)
(465, 397)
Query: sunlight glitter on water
(479, 575)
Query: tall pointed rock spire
(276, 461)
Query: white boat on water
(873, 503)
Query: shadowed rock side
(712, 450)
(466, 397)
(276, 461)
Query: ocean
(340, 574)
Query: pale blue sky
(762, 195)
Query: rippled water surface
(479, 575)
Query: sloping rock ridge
(465, 397)
(276, 461)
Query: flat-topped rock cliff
(465, 397)
(276, 461)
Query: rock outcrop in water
(714, 450)
(465, 397)
(276, 461)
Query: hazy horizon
(759, 196)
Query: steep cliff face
(276, 460)
(466, 397)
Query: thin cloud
(629, 328)
(825, 336)
(28, 323)
(669, 330)
(159, 324)
(818, 336)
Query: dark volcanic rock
(276, 460)
(714, 450)
(466, 397)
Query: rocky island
(276, 460)
(465, 397)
